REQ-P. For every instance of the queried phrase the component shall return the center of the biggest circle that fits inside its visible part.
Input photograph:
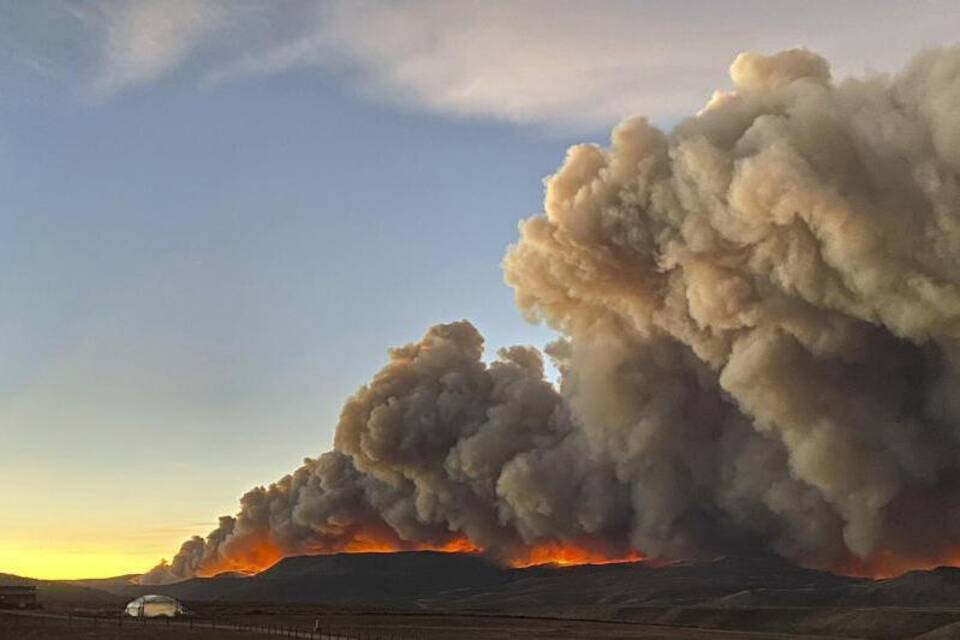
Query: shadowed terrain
(431, 594)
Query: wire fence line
(18, 619)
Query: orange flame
(255, 553)
(365, 543)
(569, 554)
(254, 556)
(258, 554)
(885, 564)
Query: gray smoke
(760, 316)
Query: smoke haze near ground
(759, 317)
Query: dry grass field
(583, 623)
(21, 628)
(880, 623)
(369, 598)
(368, 626)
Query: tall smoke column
(791, 257)
(760, 316)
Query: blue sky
(215, 217)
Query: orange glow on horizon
(259, 555)
(58, 564)
(366, 544)
(884, 564)
(256, 556)
(571, 554)
(262, 554)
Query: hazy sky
(215, 216)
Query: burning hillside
(759, 316)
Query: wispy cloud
(142, 40)
(588, 64)
(521, 62)
(547, 62)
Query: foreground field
(872, 623)
(214, 621)
(359, 626)
(429, 596)
(46, 628)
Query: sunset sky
(217, 216)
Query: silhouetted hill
(393, 579)
(465, 581)
(940, 586)
(446, 581)
(116, 584)
(635, 584)
(408, 564)
(63, 593)
(230, 575)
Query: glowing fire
(365, 544)
(884, 564)
(257, 555)
(568, 554)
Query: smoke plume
(759, 316)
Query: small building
(152, 606)
(18, 597)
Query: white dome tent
(152, 606)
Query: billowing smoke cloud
(760, 316)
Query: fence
(11, 620)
